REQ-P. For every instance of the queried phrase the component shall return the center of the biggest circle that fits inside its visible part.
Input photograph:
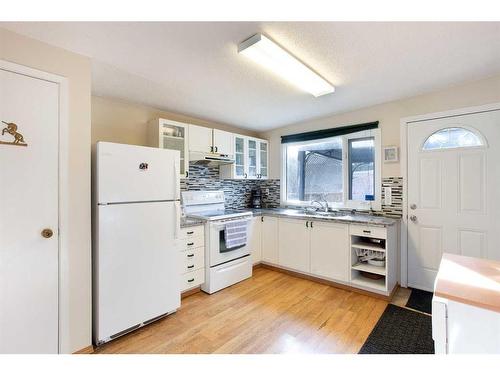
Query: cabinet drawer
(192, 260)
(191, 243)
(190, 232)
(192, 279)
(368, 231)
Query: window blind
(327, 133)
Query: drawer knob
(190, 243)
(190, 255)
(190, 280)
(190, 232)
(191, 266)
(367, 231)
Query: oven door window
(222, 243)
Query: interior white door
(28, 205)
(453, 200)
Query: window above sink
(344, 169)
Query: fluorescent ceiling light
(265, 52)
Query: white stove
(225, 265)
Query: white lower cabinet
(191, 244)
(192, 279)
(330, 250)
(327, 250)
(269, 227)
(294, 244)
(255, 239)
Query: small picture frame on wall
(391, 154)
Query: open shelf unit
(363, 274)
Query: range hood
(210, 159)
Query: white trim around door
(64, 272)
(404, 122)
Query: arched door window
(452, 138)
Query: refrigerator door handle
(177, 218)
(177, 186)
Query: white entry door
(453, 192)
(28, 206)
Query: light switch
(387, 196)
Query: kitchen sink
(323, 214)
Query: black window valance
(327, 133)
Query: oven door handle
(222, 225)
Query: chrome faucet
(324, 207)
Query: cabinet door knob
(307, 224)
(47, 233)
(413, 218)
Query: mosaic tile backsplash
(238, 192)
(395, 209)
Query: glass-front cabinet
(251, 159)
(263, 159)
(171, 135)
(239, 157)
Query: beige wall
(119, 121)
(389, 114)
(75, 290)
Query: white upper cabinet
(200, 139)
(263, 159)
(240, 159)
(223, 142)
(251, 159)
(217, 141)
(170, 135)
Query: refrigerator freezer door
(136, 266)
(127, 173)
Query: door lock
(47, 233)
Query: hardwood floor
(271, 312)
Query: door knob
(413, 218)
(413, 206)
(47, 233)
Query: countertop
(471, 281)
(339, 217)
(190, 222)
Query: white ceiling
(194, 68)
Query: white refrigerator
(136, 222)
